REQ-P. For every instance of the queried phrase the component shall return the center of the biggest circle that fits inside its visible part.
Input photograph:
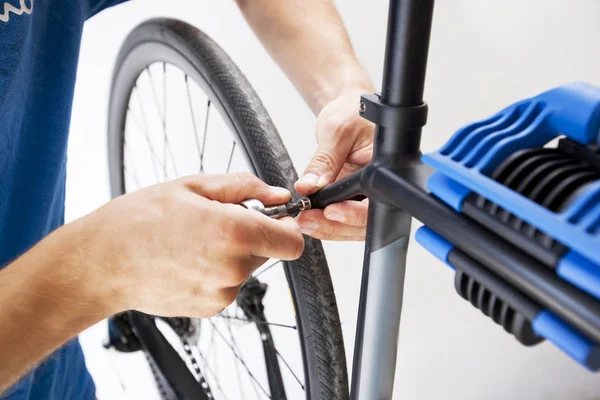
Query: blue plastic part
(575, 111)
(434, 243)
(448, 190)
(581, 272)
(477, 149)
(577, 346)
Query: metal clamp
(374, 110)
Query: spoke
(229, 317)
(204, 136)
(230, 157)
(196, 136)
(164, 113)
(212, 348)
(207, 368)
(239, 358)
(167, 142)
(128, 171)
(167, 151)
(287, 365)
(271, 341)
(131, 178)
(237, 347)
(164, 118)
(211, 371)
(267, 268)
(155, 97)
(237, 367)
(116, 370)
(144, 129)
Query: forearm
(308, 40)
(47, 297)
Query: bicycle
(502, 268)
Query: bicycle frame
(399, 114)
(395, 183)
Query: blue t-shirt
(39, 48)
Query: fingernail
(323, 181)
(309, 180)
(279, 191)
(335, 216)
(308, 227)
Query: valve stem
(280, 210)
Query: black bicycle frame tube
(380, 304)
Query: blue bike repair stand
(465, 166)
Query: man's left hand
(345, 144)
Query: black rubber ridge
(309, 277)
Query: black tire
(308, 277)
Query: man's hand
(184, 248)
(309, 42)
(175, 249)
(345, 144)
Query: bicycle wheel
(179, 105)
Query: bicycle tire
(308, 277)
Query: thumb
(324, 167)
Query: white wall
(484, 55)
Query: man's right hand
(184, 248)
(179, 248)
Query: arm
(46, 298)
(308, 40)
(106, 262)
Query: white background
(484, 55)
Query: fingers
(258, 235)
(342, 137)
(227, 296)
(321, 170)
(235, 188)
(329, 158)
(364, 151)
(348, 212)
(237, 269)
(280, 239)
(315, 224)
(213, 302)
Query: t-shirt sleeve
(98, 5)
